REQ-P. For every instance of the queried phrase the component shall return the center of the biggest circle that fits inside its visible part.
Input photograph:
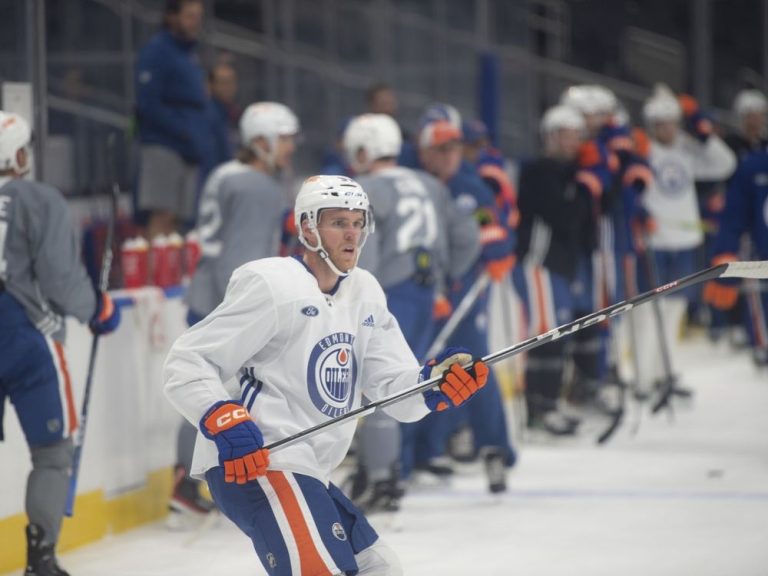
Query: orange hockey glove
(238, 440)
(457, 385)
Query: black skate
(385, 496)
(186, 495)
(41, 557)
(495, 460)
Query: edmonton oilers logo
(672, 177)
(332, 374)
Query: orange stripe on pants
(69, 397)
(309, 557)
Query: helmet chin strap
(320, 251)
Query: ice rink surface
(681, 497)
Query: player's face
(286, 146)
(568, 142)
(340, 231)
(666, 131)
(753, 124)
(442, 161)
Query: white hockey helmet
(589, 99)
(748, 101)
(268, 120)
(662, 106)
(562, 117)
(318, 193)
(377, 134)
(14, 135)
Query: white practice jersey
(295, 357)
(671, 198)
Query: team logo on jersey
(310, 311)
(672, 178)
(466, 203)
(338, 531)
(271, 560)
(332, 374)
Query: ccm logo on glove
(230, 418)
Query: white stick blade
(757, 270)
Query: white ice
(681, 497)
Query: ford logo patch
(310, 311)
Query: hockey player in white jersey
(42, 280)
(421, 240)
(298, 341)
(678, 159)
(241, 210)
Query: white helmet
(14, 135)
(267, 120)
(662, 106)
(749, 101)
(377, 134)
(318, 193)
(562, 117)
(589, 99)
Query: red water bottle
(160, 261)
(175, 245)
(134, 259)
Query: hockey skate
(436, 471)
(461, 447)
(495, 462)
(188, 507)
(554, 423)
(380, 500)
(41, 556)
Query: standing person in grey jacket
(240, 219)
(42, 280)
(420, 241)
(173, 129)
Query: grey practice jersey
(414, 211)
(240, 220)
(40, 257)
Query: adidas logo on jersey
(369, 321)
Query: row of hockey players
(645, 231)
(604, 212)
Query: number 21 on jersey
(418, 221)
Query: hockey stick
(458, 315)
(106, 266)
(757, 269)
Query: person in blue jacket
(171, 106)
(745, 212)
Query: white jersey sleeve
(713, 160)
(212, 351)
